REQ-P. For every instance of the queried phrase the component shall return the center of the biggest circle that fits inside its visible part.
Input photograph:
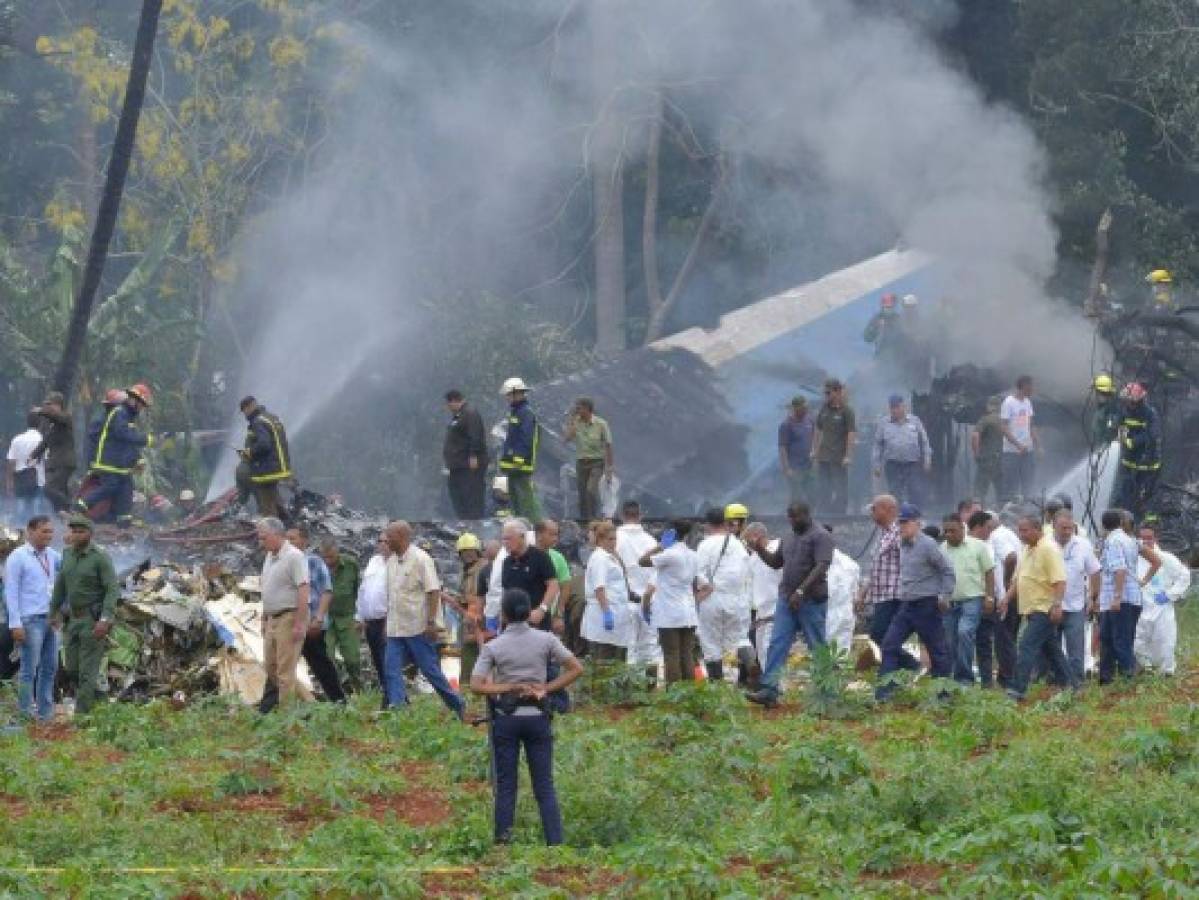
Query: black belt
(275, 615)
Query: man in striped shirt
(881, 589)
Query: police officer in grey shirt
(511, 673)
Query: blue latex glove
(609, 620)
(668, 538)
(1161, 598)
(491, 624)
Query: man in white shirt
(995, 641)
(763, 589)
(1082, 589)
(1021, 443)
(632, 543)
(371, 611)
(414, 620)
(24, 477)
(1157, 630)
(723, 603)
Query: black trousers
(58, 486)
(316, 653)
(536, 735)
(833, 487)
(995, 642)
(467, 491)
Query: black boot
(715, 671)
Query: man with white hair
(763, 588)
(414, 620)
(284, 585)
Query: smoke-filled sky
(454, 158)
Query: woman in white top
(606, 617)
(671, 608)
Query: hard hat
(1160, 276)
(1104, 384)
(500, 483)
(513, 384)
(1134, 392)
(143, 393)
(888, 301)
(113, 396)
(186, 496)
(911, 300)
(736, 511)
(468, 541)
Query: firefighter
(1161, 285)
(1105, 426)
(881, 330)
(115, 448)
(735, 517)
(518, 458)
(1140, 450)
(266, 460)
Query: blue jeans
(1117, 630)
(922, 617)
(906, 481)
(1039, 636)
(422, 653)
(880, 620)
(807, 621)
(535, 733)
(39, 662)
(961, 630)
(1073, 631)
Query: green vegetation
(688, 793)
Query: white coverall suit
(632, 543)
(724, 615)
(1157, 630)
(844, 574)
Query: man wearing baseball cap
(87, 591)
(925, 576)
(902, 452)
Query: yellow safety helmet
(1160, 276)
(736, 511)
(468, 541)
(1104, 384)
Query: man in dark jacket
(118, 445)
(465, 455)
(57, 449)
(1140, 451)
(266, 460)
(518, 459)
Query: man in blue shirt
(795, 450)
(29, 578)
(320, 594)
(1119, 599)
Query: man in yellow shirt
(1038, 588)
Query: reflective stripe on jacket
(266, 446)
(115, 441)
(520, 443)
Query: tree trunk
(607, 179)
(649, 221)
(110, 201)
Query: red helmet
(1134, 392)
(888, 301)
(113, 396)
(143, 393)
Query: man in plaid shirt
(881, 588)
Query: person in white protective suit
(844, 575)
(723, 602)
(632, 543)
(1157, 630)
(762, 588)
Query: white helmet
(911, 300)
(500, 483)
(513, 384)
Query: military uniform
(87, 589)
(342, 633)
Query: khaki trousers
(281, 652)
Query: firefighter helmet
(1105, 384)
(468, 541)
(735, 511)
(1160, 276)
(512, 385)
(143, 393)
(114, 396)
(1134, 393)
(888, 301)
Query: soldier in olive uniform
(88, 591)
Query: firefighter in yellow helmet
(1105, 422)
(1161, 283)
(468, 603)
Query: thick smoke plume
(458, 156)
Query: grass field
(690, 794)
